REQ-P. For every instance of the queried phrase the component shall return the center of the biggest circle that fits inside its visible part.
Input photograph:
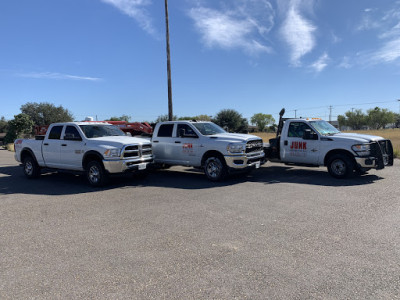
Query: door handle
(285, 143)
(45, 144)
(177, 142)
(64, 145)
(155, 141)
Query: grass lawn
(391, 134)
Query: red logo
(298, 146)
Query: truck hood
(359, 138)
(234, 137)
(118, 141)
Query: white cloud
(321, 63)
(59, 76)
(389, 52)
(345, 64)
(298, 33)
(136, 9)
(245, 26)
(386, 26)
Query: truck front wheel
(31, 168)
(214, 168)
(340, 166)
(95, 173)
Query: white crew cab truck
(315, 142)
(206, 145)
(98, 149)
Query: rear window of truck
(165, 130)
(55, 133)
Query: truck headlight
(114, 152)
(236, 148)
(362, 149)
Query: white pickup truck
(206, 145)
(98, 149)
(315, 142)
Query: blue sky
(107, 57)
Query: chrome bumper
(245, 161)
(120, 166)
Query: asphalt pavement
(279, 232)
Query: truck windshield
(95, 131)
(208, 128)
(324, 127)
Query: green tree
(186, 118)
(46, 113)
(342, 121)
(198, 118)
(231, 120)
(397, 120)
(203, 118)
(121, 118)
(355, 119)
(3, 125)
(379, 117)
(163, 118)
(262, 120)
(21, 124)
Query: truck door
(300, 144)
(72, 149)
(163, 144)
(186, 145)
(51, 147)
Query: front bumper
(367, 162)
(381, 156)
(245, 161)
(127, 165)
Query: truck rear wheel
(95, 173)
(31, 168)
(215, 168)
(340, 166)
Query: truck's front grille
(146, 150)
(387, 152)
(254, 146)
(383, 152)
(137, 151)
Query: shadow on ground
(12, 180)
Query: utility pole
(295, 113)
(330, 113)
(170, 112)
(399, 105)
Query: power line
(342, 105)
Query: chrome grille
(146, 150)
(137, 151)
(254, 146)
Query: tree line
(375, 118)
(44, 113)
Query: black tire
(96, 174)
(215, 168)
(341, 166)
(31, 168)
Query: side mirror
(182, 133)
(310, 135)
